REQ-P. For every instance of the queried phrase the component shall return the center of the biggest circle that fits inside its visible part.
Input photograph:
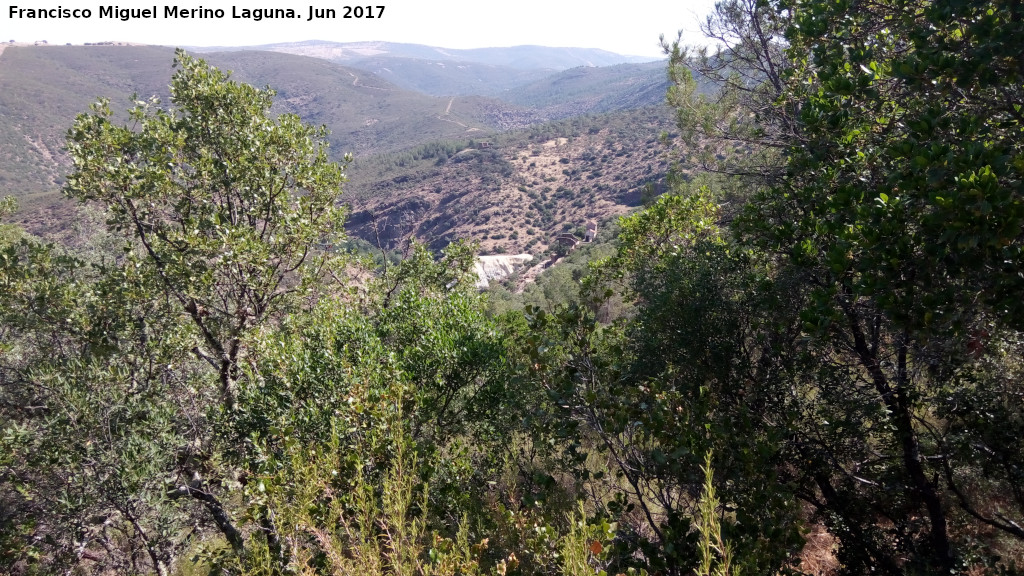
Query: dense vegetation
(820, 335)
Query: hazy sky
(629, 27)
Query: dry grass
(819, 554)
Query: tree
(892, 201)
(704, 363)
(234, 210)
(115, 431)
(95, 408)
(727, 100)
(120, 448)
(901, 201)
(910, 174)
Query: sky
(630, 28)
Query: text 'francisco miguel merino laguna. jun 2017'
(198, 12)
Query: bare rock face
(498, 267)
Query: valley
(441, 148)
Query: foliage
(900, 204)
(727, 101)
(8, 233)
(875, 149)
(715, 552)
(91, 375)
(228, 205)
(8, 205)
(911, 169)
(343, 509)
(224, 376)
(698, 367)
(223, 214)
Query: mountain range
(507, 146)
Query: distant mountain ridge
(521, 57)
(592, 90)
(554, 83)
(449, 77)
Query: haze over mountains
(520, 57)
(434, 131)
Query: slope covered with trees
(45, 87)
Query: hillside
(45, 87)
(593, 90)
(510, 186)
(523, 57)
(513, 193)
(549, 95)
(442, 77)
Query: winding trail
(355, 82)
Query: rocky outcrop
(498, 267)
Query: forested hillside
(388, 130)
(514, 192)
(800, 354)
(46, 86)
